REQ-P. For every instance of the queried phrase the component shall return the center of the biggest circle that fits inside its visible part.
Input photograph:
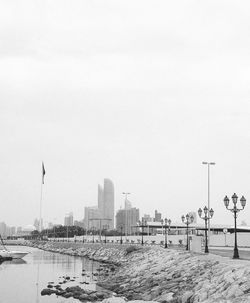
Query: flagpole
(41, 197)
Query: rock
(47, 291)
(60, 292)
(186, 297)
(76, 295)
(83, 297)
(99, 295)
(67, 295)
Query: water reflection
(15, 261)
(40, 267)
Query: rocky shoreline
(163, 275)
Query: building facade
(127, 219)
(157, 217)
(69, 219)
(92, 217)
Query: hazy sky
(137, 91)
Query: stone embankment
(164, 275)
(112, 254)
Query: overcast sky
(137, 91)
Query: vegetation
(131, 248)
(60, 231)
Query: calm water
(22, 280)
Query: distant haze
(140, 92)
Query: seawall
(165, 275)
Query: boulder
(47, 292)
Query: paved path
(244, 253)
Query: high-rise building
(128, 204)
(3, 229)
(102, 214)
(92, 217)
(127, 220)
(36, 224)
(19, 230)
(108, 203)
(68, 219)
(12, 230)
(157, 217)
(100, 199)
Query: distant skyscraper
(36, 224)
(3, 229)
(128, 204)
(108, 202)
(127, 219)
(68, 220)
(102, 214)
(100, 199)
(157, 217)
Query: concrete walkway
(244, 252)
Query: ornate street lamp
(93, 232)
(105, 227)
(121, 235)
(143, 224)
(167, 228)
(187, 220)
(235, 210)
(208, 214)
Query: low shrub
(131, 248)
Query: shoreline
(164, 275)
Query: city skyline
(144, 99)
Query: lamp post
(187, 220)
(208, 189)
(235, 210)
(105, 227)
(121, 235)
(208, 214)
(143, 224)
(93, 231)
(167, 228)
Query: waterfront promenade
(165, 275)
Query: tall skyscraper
(100, 199)
(108, 202)
(102, 214)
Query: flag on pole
(43, 172)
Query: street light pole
(235, 210)
(208, 214)
(121, 235)
(167, 228)
(141, 223)
(189, 220)
(208, 190)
